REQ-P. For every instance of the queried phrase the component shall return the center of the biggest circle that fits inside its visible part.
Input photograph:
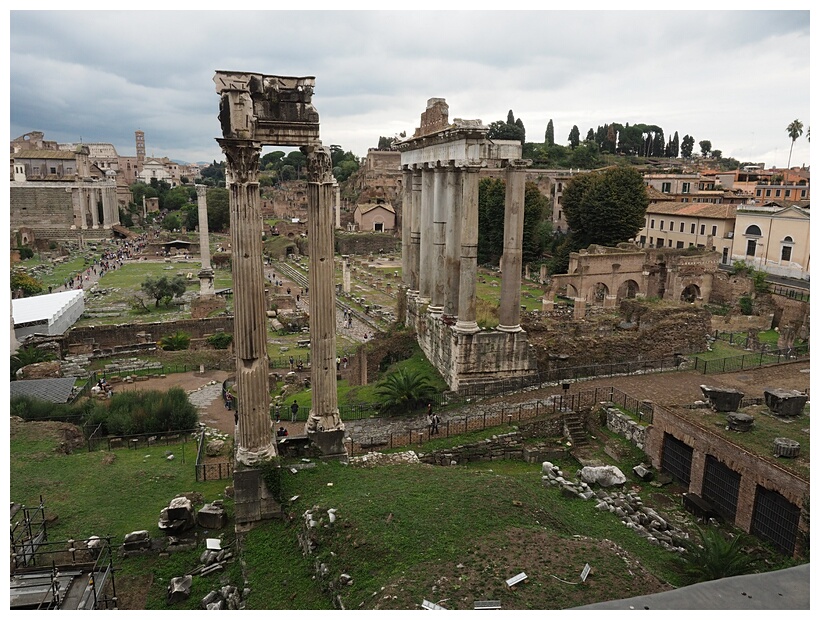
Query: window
(768, 193)
(53, 170)
(759, 192)
(661, 224)
(660, 242)
(643, 239)
(666, 187)
(681, 226)
(652, 223)
(786, 253)
(559, 214)
(692, 229)
(703, 229)
(725, 257)
(685, 188)
(788, 193)
(802, 193)
(679, 245)
(751, 246)
(671, 226)
(36, 169)
(560, 187)
(753, 230)
(714, 231)
(651, 241)
(777, 193)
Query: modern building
(773, 238)
(52, 314)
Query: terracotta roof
(694, 209)
(43, 154)
(369, 207)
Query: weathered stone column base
(252, 499)
(331, 443)
(250, 458)
(510, 329)
(466, 327)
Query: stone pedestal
(331, 443)
(252, 499)
(722, 399)
(787, 403)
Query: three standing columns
(253, 436)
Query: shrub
(178, 341)
(28, 284)
(746, 305)
(405, 390)
(220, 340)
(150, 411)
(26, 253)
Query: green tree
(606, 207)
(271, 161)
(164, 288)
(673, 147)
(549, 136)
(574, 137)
(20, 280)
(536, 213)
(172, 221)
(177, 198)
(714, 556)
(590, 135)
(717, 154)
(795, 130)
(705, 147)
(491, 193)
(686, 146)
(405, 390)
(219, 216)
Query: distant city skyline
(735, 78)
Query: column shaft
(510, 311)
(469, 252)
(426, 236)
(452, 244)
(439, 239)
(324, 411)
(406, 219)
(415, 230)
(250, 328)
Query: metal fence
(791, 293)
(210, 470)
(750, 360)
(499, 417)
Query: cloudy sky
(736, 78)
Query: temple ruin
(441, 164)
(258, 110)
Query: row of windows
(685, 188)
(692, 227)
(788, 194)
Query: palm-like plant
(795, 130)
(405, 390)
(28, 355)
(178, 341)
(715, 556)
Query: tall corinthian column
(452, 245)
(324, 426)
(466, 323)
(206, 274)
(509, 315)
(253, 437)
(406, 218)
(426, 236)
(440, 208)
(415, 230)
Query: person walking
(294, 409)
(433, 419)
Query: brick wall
(753, 470)
(41, 207)
(108, 336)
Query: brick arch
(690, 292)
(628, 289)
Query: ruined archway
(598, 293)
(690, 293)
(629, 289)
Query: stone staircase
(574, 427)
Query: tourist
(228, 401)
(282, 432)
(291, 362)
(294, 409)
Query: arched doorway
(690, 294)
(628, 290)
(599, 293)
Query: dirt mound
(68, 437)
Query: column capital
(243, 159)
(319, 164)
